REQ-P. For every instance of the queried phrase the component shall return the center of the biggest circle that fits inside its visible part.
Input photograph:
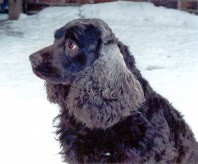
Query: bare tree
(15, 8)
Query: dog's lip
(38, 73)
(44, 75)
(51, 78)
(68, 80)
(43, 72)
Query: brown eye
(71, 45)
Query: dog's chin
(54, 79)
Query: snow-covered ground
(163, 41)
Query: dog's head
(86, 58)
(75, 47)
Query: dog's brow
(73, 35)
(59, 33)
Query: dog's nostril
(34, 59)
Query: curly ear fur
(106, 92)
(107, 35)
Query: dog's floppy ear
(107, 35)
(115, 78)
(106, 92)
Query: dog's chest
(106, 146)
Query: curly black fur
(151, 132)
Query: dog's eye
(71, 45)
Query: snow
(163, 41)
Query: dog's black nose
(35, 59)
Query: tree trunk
(184, 4)
(15, 8)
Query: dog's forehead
(85, 22)
(79, 23)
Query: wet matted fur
(108, 111)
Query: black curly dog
(108, 112)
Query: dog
(108, 112)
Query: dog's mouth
(52, 75)
(45, 73)
(42, 74)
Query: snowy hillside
(163, 41)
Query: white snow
(163, 41)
